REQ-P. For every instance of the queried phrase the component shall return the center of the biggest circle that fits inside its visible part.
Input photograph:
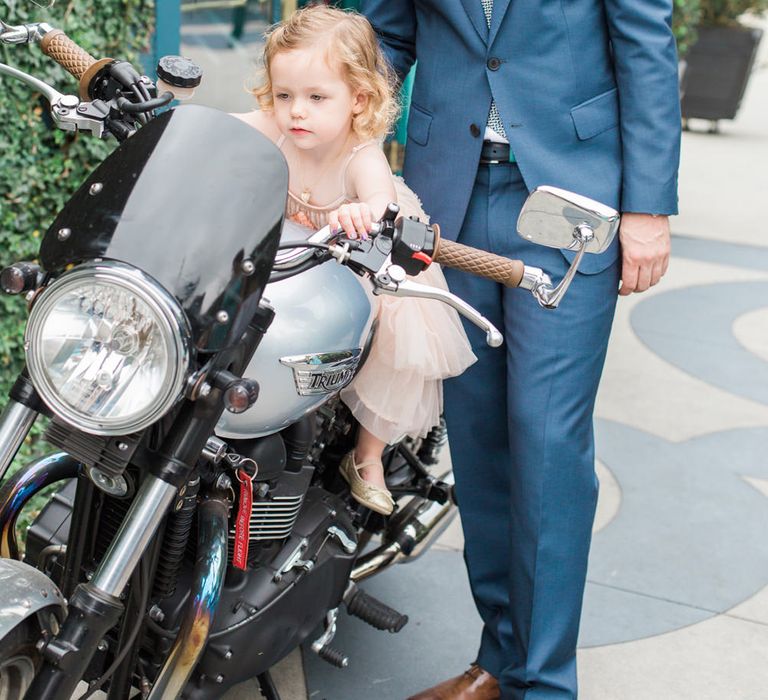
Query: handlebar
(479, 262)
(72, 57)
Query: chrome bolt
(103, 645)
(64, 233)
(219, 679)
(228, 655)
(205, 389)
(122, 446)
(82, 108)
(222, 316)
(247, 267)
(96, 187)
(156, 614)
(223, 483)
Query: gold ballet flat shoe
(373, 497)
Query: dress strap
(355, 150)
(279, 143)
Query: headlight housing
(108, 349)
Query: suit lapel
(475, 11)
(497, 17)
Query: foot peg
(333, 656)
(322, 645)
(373, 611)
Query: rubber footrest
(375, 613)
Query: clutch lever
(69, 113)
(392, 281)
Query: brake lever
(392, 281)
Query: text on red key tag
(243, 521)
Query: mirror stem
(550, 298)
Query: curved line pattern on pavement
(692, 329)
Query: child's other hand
(354, 218)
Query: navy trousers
(521, 438)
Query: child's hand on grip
(354, 218)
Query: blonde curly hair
(352, 47)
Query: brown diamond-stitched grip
(479, 262)
(66, 52)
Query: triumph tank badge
(324, 372)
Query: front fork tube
(15, 424)
(95, 607)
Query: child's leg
(370, 448)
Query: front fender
(24, 591)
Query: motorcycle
(187, 347)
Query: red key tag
(243, 521)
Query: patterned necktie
(494, 118)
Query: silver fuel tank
(323, 319)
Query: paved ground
(677, 598)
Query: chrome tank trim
(324, 372)
(24, 591)
(208, 579)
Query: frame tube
(22, 486)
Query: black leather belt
(494, 153)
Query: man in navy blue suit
(509, 95)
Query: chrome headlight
(107, 348)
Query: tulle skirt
(418, 343)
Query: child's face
(313, 103)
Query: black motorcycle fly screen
(196, 200)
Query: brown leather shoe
(474, 684)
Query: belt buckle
(491, 161)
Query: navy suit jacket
(587, 91)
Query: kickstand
(267, 686)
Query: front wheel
(19, 659)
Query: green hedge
(41, 166)
(729, 11)
(684, 22)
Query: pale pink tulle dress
(418, 343)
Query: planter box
(717, 71)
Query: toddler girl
(327, 102)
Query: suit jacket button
(494, 63)
(474, 129)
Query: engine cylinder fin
(271, 519)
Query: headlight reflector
(107, 348)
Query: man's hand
(645, 247)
